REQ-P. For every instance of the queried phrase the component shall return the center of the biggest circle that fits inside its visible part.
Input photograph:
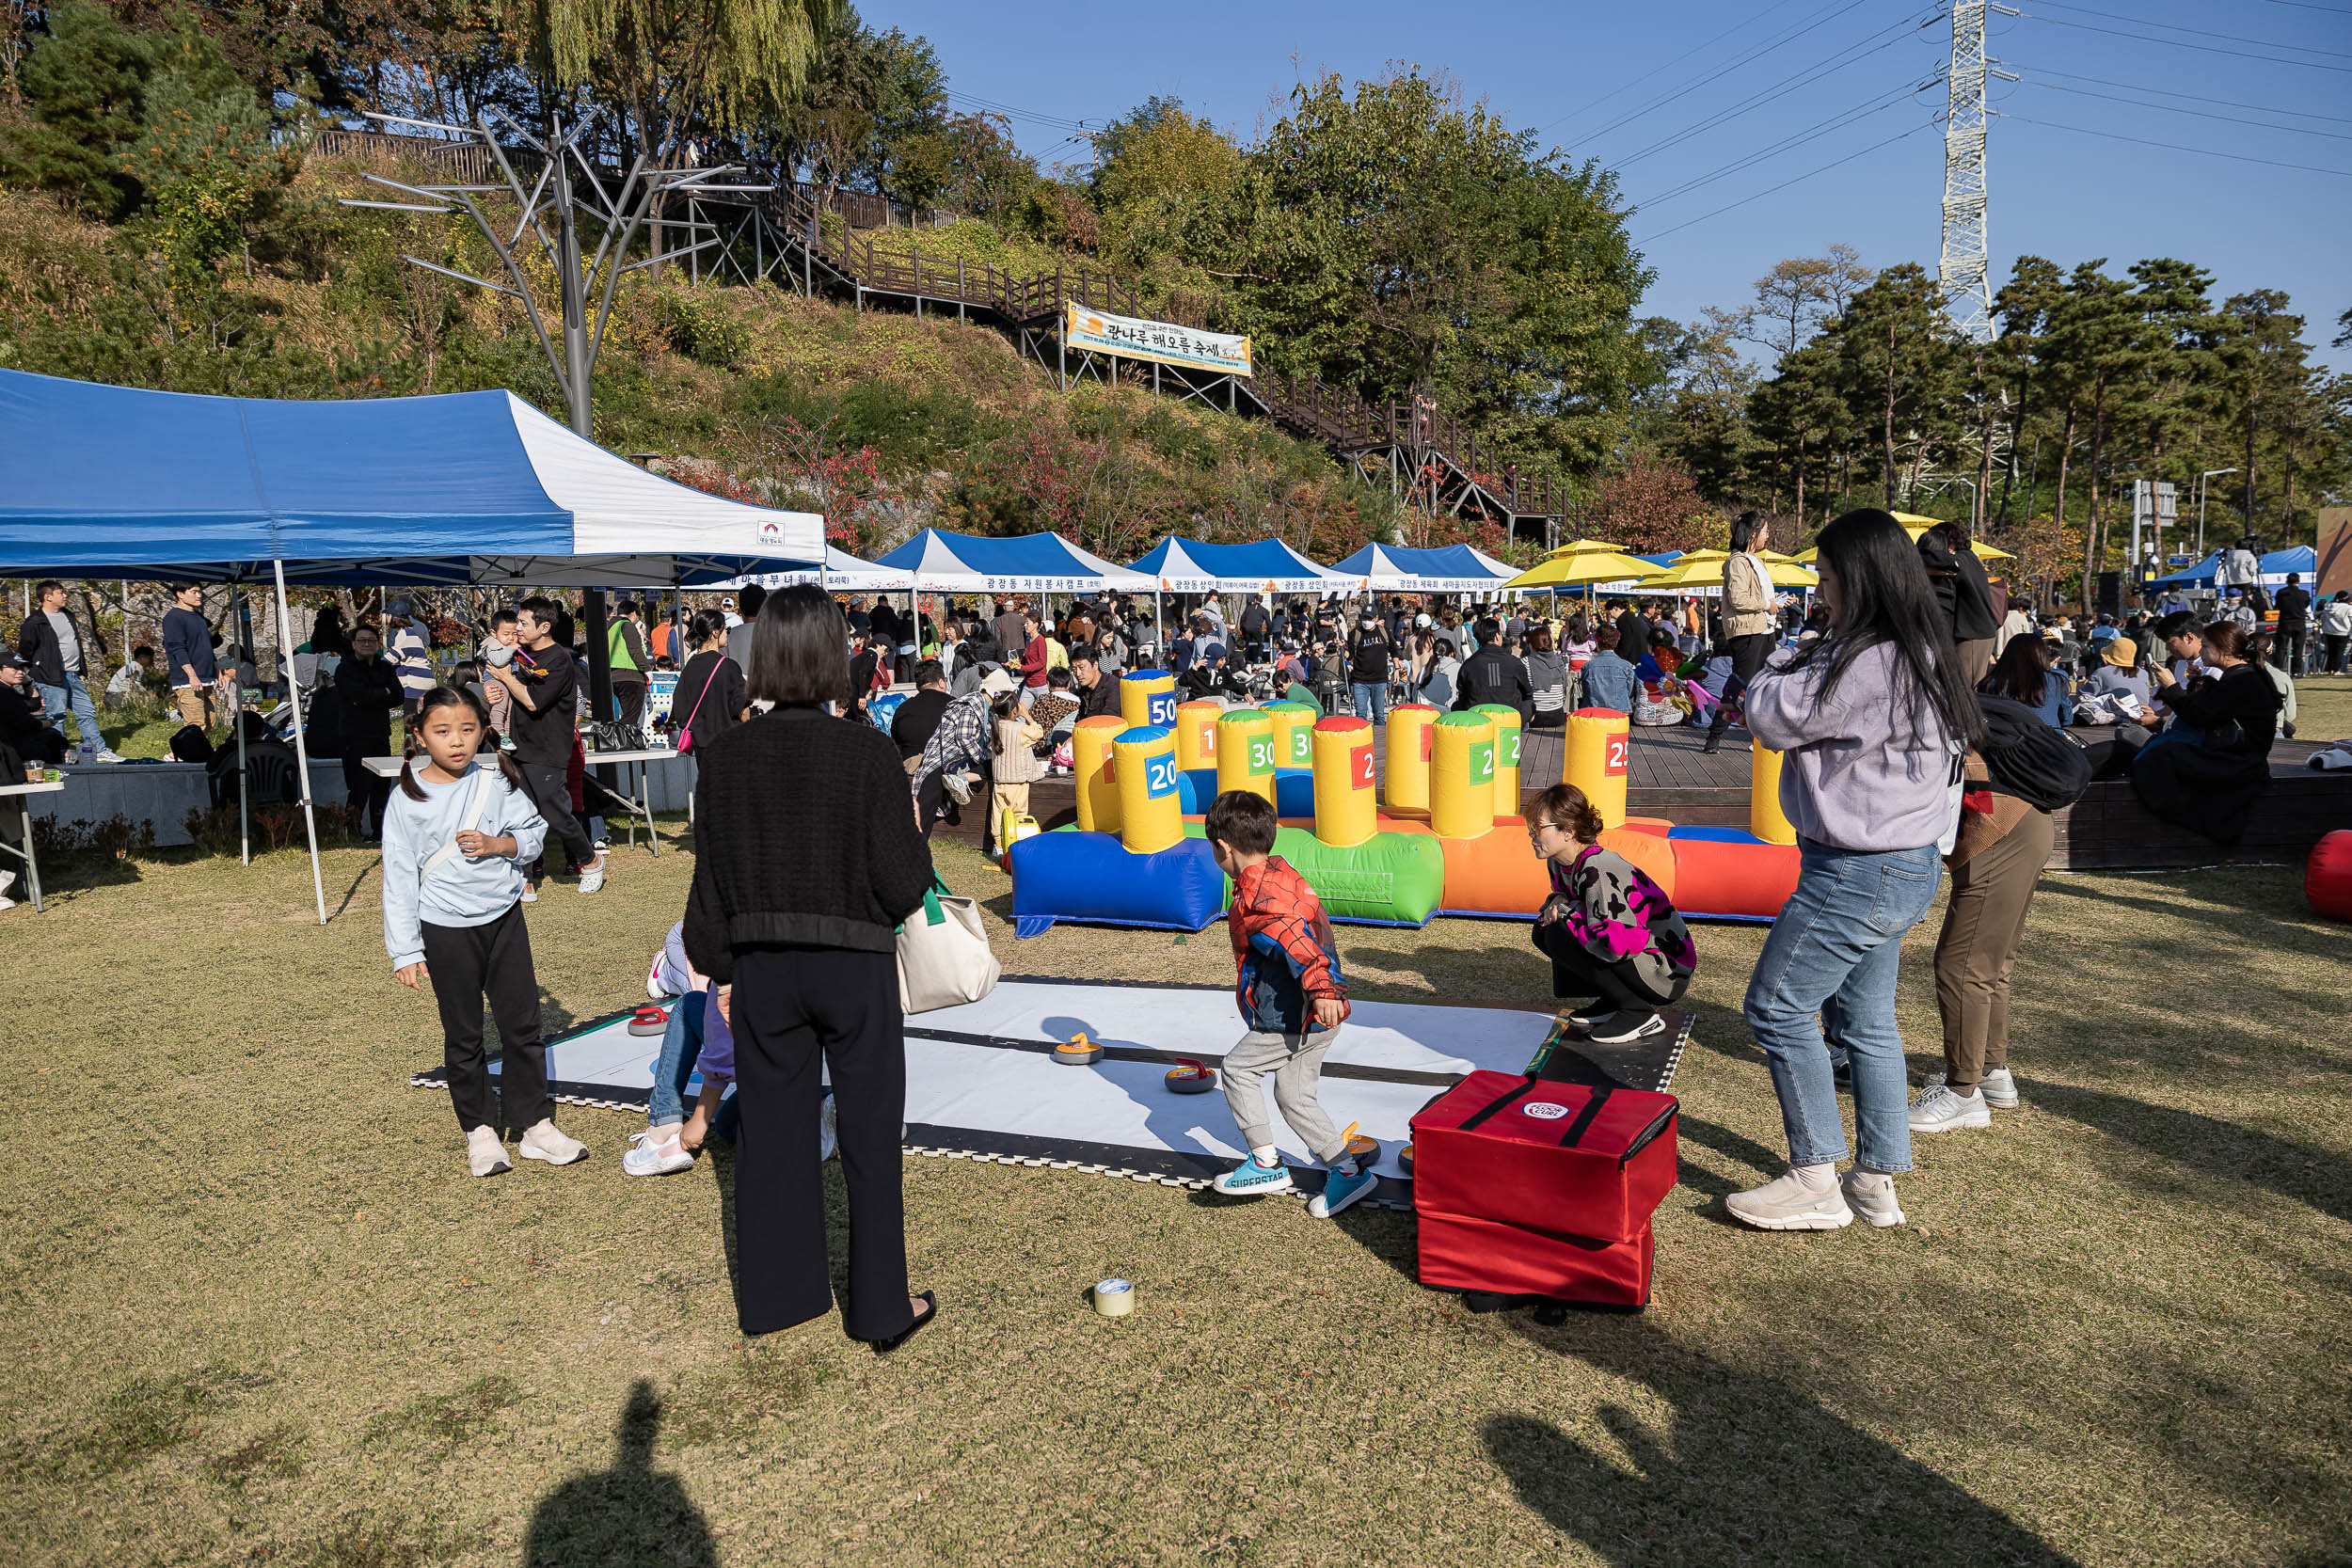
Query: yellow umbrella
(1575, 570)
(1983, 551)
(1581, 545)
(1710, 574)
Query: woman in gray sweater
(1873, 719)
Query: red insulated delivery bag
(1459, 1253)
(1561, 1159)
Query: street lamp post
(2209, 473)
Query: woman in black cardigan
(2211, 784)
(806, 861)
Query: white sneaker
(486, 1155)
(649, 1156)
(1939, 1110)
(1786, 1203)
(591, 878)
(959, 788)
(545, 1141)
(530, 893)
(7, 880)
(1872, 1194)
(112, 757)
(1999, 1085)
(652, 979)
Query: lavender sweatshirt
(1855, 774)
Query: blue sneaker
(1339, 1190)
(1252, 1179)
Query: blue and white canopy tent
(2275, 567)
(1448, 569)
(467, 488)
(1265, 566)
(946, 562)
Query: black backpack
(2028, 759)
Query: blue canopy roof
(468, 487)
(2275, 567)
(1032, 563)
(1267, 565)
(1448, 569)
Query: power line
(2183, 43)
(1813, 133)
(1778, 90)
(2201, 113)
(2195, 32)
(1784, 185)
(1751, 58)
(2177, 147)
(2307, 5)
(1629, 86)
(2192, 97)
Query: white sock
(1264, 1155)
(1815, 1178)
(1874, 1180)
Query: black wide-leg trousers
(463, 964)
(795, 1012)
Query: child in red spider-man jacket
(1294, 998)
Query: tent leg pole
(245, 814)
(302, 750)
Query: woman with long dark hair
(710, 698)
(2023, 674)
(1873, 717)
(807, 860)
(1747, 616)
(2210, 781)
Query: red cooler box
(1526, 1186)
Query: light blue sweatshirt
(459, 891)
(1855, 774)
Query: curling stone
(1363, 1146)
(1077, 1050)
(1190, 1077)
(1405, 1159)
(649, 1020)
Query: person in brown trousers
(1994, 865)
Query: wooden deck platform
(1670, 776)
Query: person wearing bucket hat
(2118, 673)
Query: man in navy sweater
(188, 656)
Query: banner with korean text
(1086, 327)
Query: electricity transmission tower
(1966, 260)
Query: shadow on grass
(2210, 1145)
(629, 1513)
(1746, 1469)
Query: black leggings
(795, 1010)
(1574, 972)
(462, 962)
(551, 792)
(367, 792)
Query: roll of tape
(1115, 1298)
(1191, 1077)
(649, 1020)
(1077, 1050)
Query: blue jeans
(1372, 701)
(56, 698)
(1833, 952)
(681, 1046)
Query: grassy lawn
(254, 1312)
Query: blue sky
(1623, 82)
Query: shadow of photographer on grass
(631, 1513)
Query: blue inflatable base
(1293, 791)
(1074, 874)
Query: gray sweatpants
(1296, 1063)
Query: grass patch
(449, 1418)
(2112, 1333)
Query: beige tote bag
(943, 956)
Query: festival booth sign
(1448, 569)
(944, 562)
(1161, 342)
(460, 489)
(1266, 566)
(841, 572)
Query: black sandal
(883, 1347)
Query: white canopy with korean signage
(942, 561)
(1263, 566)
(1448, 569)
(842, 571)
